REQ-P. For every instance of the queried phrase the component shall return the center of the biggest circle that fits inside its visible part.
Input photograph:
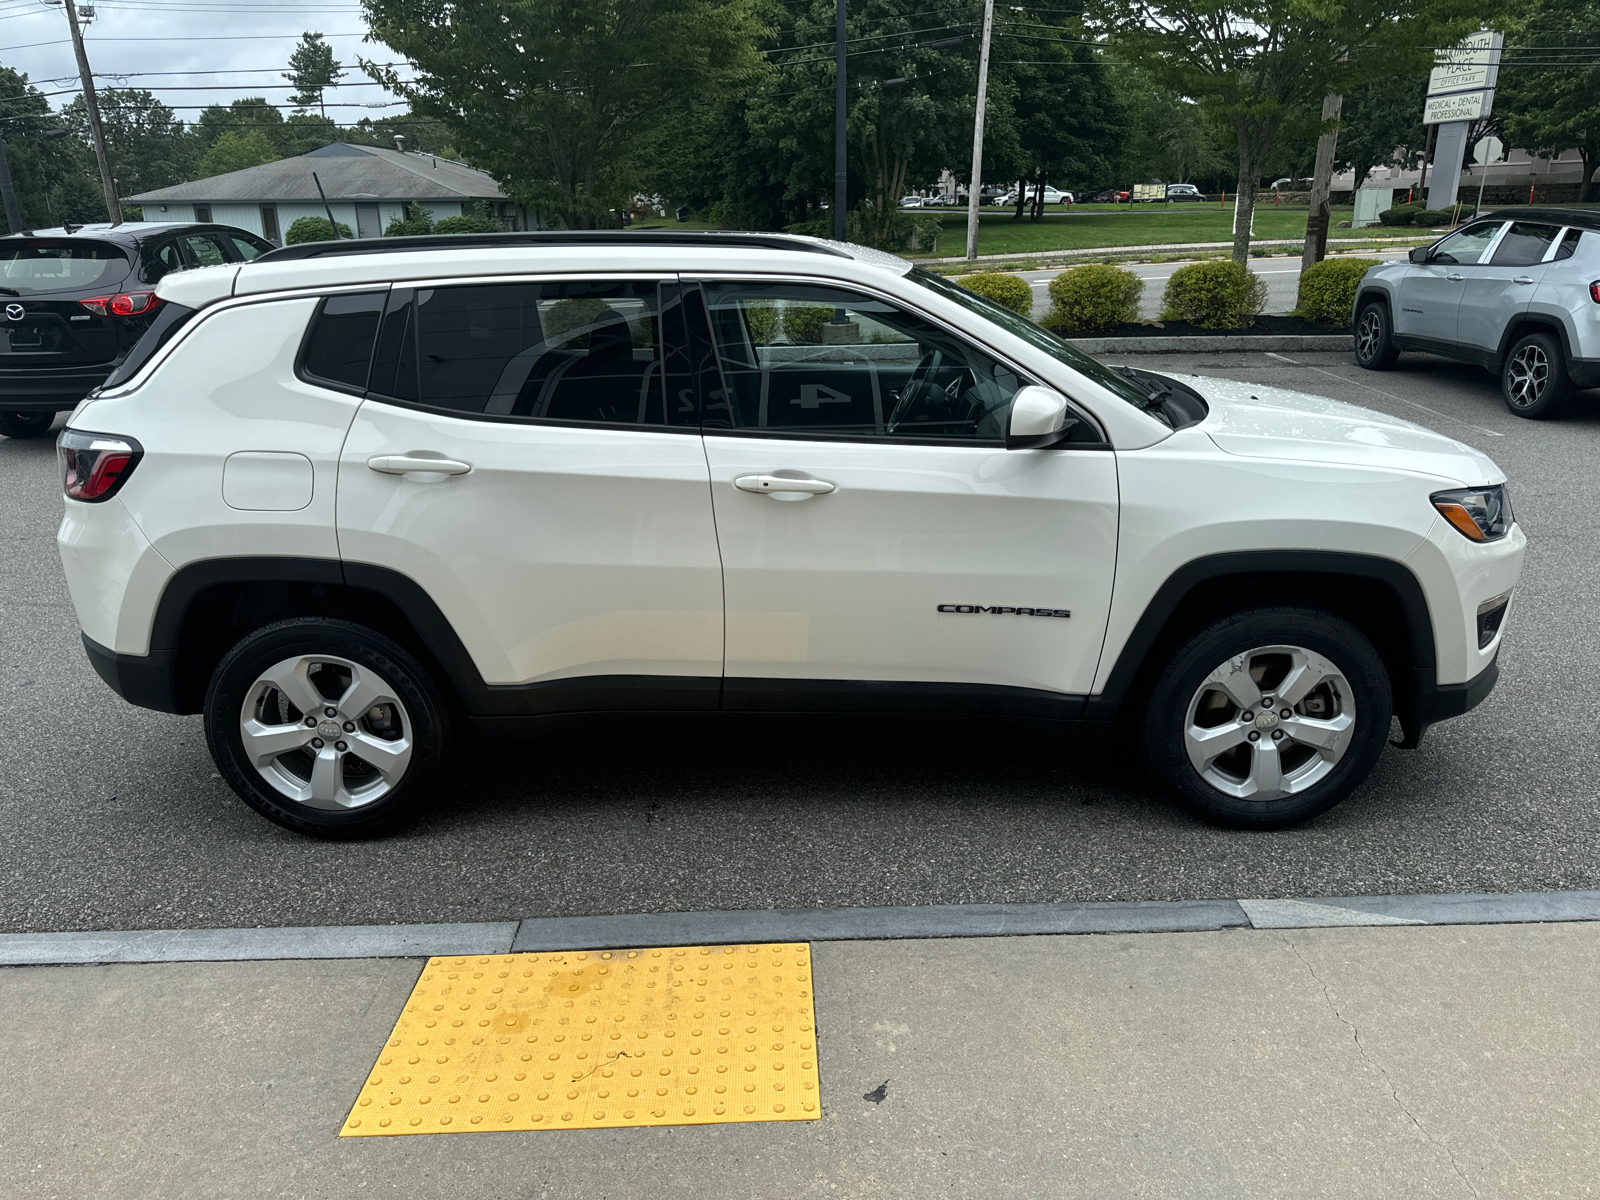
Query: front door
(567, 532)
(876, 535)
(1499, 291)
(369, 223)
(1430, 293)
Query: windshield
(1037, 336)
(31, 267)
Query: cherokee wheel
(1269, 718)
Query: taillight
(95, 465)
(1594, 291)
(123, 304)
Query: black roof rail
(594, 237)
(1584, 218)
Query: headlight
(1482, 514)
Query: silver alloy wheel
(326, 732)
(1527, 375)
(1269, 723)
(1369, 334)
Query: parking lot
(115, 819)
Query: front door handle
(1523, 279)
(1455, 278)
(406, 464)
(777, 483)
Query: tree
(554, 97)
(1552, 104)
(1381, 126)
(236, 151)
(55, 178)
(1264, 67)
(312, 70)
(251, 112)
(148, 146)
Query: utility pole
(975, 183)
(92, 107)
(1317, 218)
(13, 213)
(839, 169)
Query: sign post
(1460, 90)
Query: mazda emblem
(14, 312)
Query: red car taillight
(95, 465)
(1594, 291)
(123, 304)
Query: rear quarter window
(338, 348)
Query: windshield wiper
(1154, 389)
(5, 291)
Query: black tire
(1374, 337)
(1362, 692)
(419, 722)
(1533, 380)
(26, 424)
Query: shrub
(1400, 214)
(312, 229)
(1014, 293)
(415, 222)
(1328, 289)
(1220, 294)
(1430, 217)
(803, 323)
(468, 225)
(1093, 297)
(762, 318)
(925, 234)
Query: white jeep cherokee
(353, 497)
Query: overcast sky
(238, 47)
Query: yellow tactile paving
(690, 1035)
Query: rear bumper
(45, 389)
(142, 679)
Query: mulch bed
(1297, 326)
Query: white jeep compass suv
(354, 497)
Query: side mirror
(1420, 254)
(1038, 418)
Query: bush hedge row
(1005, 289)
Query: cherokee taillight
(95, 465)
(123, 304)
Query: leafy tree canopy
(235, 150)
(312, 70)
(1549, 93)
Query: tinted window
(205, 249)
(162, 259)
(202, 213)
(1569, 244)
(32, 268)
(804, 359)
(1524, 244)
(588, 352)
(247, 249)
(338, 347)
(1465, 246)
(169, 318)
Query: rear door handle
(1523, 279)
(405, 464)
(1455, 278)
(777, 483)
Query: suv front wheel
(1268, 718)
(325, 727)
(1373, 337)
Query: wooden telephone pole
(92, 107)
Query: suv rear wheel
(325, 727)
(1534, 379)
(26, 424)
(1374, 344)
(1268, 718)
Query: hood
(1266, 422)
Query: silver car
(1517, 292)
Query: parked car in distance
(1289, 184)
(911, 201)
(1051, 196)
(1108, 196)
(1183, 191)
(73, 302)
(310, 512)
(1516, 291)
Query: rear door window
(33, 268)
(246, 247)
(206, 249)
(1524, 244)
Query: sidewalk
(1400, 1060)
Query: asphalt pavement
(112, 817)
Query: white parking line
(1403, 400)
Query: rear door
(1430, 292)
(567, 533)
(42, 323)
(876, 535)
(1498, 291)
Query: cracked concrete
(1366, 1062)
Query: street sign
(1488, 150)
(1463, 106)
(1469, 66)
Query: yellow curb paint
(594, 1039)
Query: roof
(1584, 218)
(698, 239)
(346, 172)
(129, 232)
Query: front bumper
(1431, 702)
(49, 389)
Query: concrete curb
(1220, 344)
(790, 925)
